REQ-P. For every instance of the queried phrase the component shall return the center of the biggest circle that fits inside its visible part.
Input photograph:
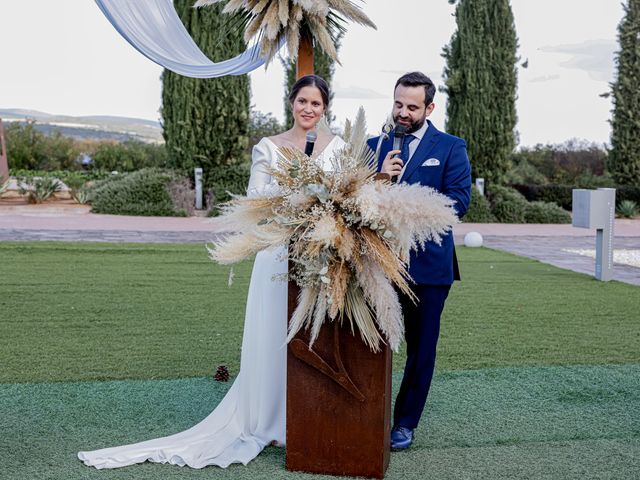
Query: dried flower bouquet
(349, 236)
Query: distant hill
(100, 127)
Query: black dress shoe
(401, 438)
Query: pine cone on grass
(222, 374)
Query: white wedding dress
(253, 413)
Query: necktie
(404, 153)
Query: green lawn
(103, 344)
(86, 311)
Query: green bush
(560, 194)
(128, 156)
(562, 164)
(563, 194)
(139, 193)
(522, 171)
(228, 179)
(507, 204)
(38, 190)
(545, 212)
(510, 211)
(63, 175)
(479, 209)
(627, 209)
(30, 149)
(628, 192)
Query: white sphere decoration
(473, 239)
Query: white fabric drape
(154, 28)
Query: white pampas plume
(303, 312)
(381, 295)
(319, 316)
(358, 311)
(426, 215)
(325, 231)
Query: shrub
(507, 204)
(564, 163)
(510, 211)
(30, 149)
(62, 175)
(628, 192)
(38, 190)
(627, 209)
(77, 187)
(588, 180)
(563, 194)
(262, 125)
(545, 212)
(139, 193)
(183, 196)
(559, 194)
(524, 172)
(479, 209)
(128, 156)
(228, 179)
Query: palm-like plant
(275, 21)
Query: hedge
(562, 194)
(139, 193)
(545, 212)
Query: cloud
(357, 92)
(596, 57)
(544, 78)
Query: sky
(64, 57)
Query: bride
(253, 413)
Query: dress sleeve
(260, 162)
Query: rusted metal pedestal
(338, 403)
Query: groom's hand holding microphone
(392, 165)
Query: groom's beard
(413, 126)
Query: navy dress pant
(422, 328)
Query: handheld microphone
(387, 128)
(311, 141)
(398, 136)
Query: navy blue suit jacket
(436, 264)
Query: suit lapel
(424, 149)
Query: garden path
(561, 245)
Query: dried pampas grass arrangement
(349, 237)
(273, 22)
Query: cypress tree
(624, 157)
(481, 82)
(322, 66)
(206, 121)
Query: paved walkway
(547, 243)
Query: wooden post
(4, 164)
(338, 403)
(304, 66)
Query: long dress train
(253, 413)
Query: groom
(438, 160)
